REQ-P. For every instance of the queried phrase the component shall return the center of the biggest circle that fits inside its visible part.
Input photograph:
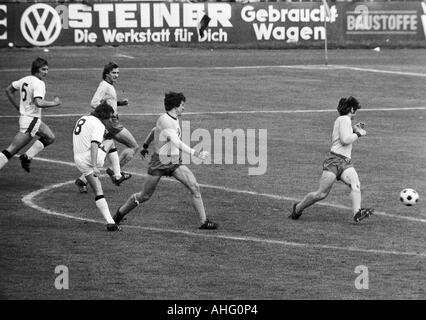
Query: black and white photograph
(213, 156)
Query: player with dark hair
(166, 161)
(32, 91)
(90, 150)
(106, 92)
(338, 165)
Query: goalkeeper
(166, 161)
(338, 165)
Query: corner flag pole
(325, 44)
(327, 16)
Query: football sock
(103, 208)
(83, 178)
(35, 149)
(4, 158)
(115, 162)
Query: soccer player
(106, 92)
(338, 165)
(166, 161)
(32, 91)
(90, 150)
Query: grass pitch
(257, 253)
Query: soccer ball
(409, 197)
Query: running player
(90, 150)
(32, 91)
(166, 161)
(106, 92)
(338, 165)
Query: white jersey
(343, 136)
(105, 91)
(167, 127)
(87, 129)
(30, 87)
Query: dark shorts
(336, 163)
(113, 127)
(157, 168)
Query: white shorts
(83, 162)
(29, 125)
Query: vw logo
(40, 24)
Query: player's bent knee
(321, 195)
(141, 197)
(128, 154)
(356, 187)
(135, 147)
(47, 140)
(195, 190)
(197, 195)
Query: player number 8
(77, 128)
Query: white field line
(372, 70)
(145, 114)
(120, 55)
(309, 67)
(29, 201)
(302, 67)
(259, 194)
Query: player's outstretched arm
(149, 138)
(10, 93)
(185, 148)
(173, 138)
(147, 142)
(41, 103)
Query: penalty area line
(29, 201)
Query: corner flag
(204, 23)
(327, 16)
(327, 9)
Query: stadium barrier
(232, 24)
